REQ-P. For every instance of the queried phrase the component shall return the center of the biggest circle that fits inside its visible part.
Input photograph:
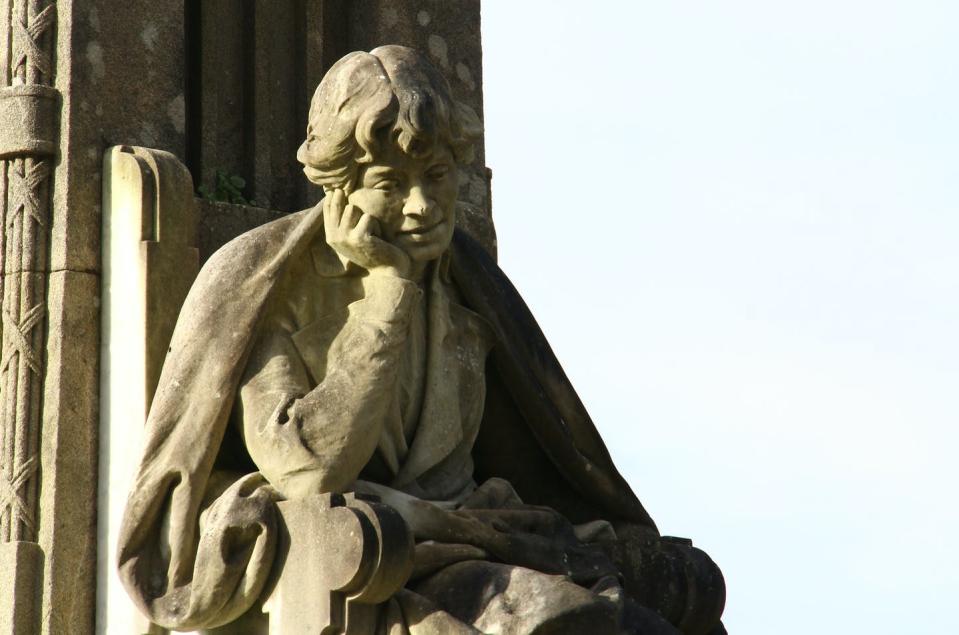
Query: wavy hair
(392, 94)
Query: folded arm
(308, 440)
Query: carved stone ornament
(360, 428)
(27, 146)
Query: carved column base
(22, 567)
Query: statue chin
(335, 452)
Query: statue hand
(354, 235)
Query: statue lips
(422, 233)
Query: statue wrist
(390, 271)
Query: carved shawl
(196, 549)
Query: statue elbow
(303, 483)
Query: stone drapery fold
(184, 518)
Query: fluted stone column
(28, 147)
(75, 77)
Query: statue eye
(386, 185)
(438, 172)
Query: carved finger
(332, 213)
(351, 216)
(366, 226)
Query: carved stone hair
(391, 94)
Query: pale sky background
(737, 224)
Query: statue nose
(417, 203)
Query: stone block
(219, 223)
(67, 529)
(121, 73)
(219, 138)
(22, 564)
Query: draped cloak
(199, 530)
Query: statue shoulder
(236, 280)
(468, 252)
(252, 246)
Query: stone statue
(363, 364)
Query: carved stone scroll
(149, 262)
(340, 557)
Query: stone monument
(358, 427)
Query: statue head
(384, 128)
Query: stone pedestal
(339, 558)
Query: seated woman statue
(367, 346)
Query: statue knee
(496, 597)
(672, 577)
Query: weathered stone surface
(149, 263)
(347, 348)
(68, 451)
(120, 73)
(249, 116)
(27, 146)
(219, 106)
(680, 581)
(27, 120)
(496, 598)
(122, 82)
(219, 223)
(21, 563)
(276, 180)
(364, 557)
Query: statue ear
(467, 120)
(467, 129)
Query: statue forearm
(315, 440)
(339, 423)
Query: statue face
(413, 199)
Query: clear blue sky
(737, 223)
